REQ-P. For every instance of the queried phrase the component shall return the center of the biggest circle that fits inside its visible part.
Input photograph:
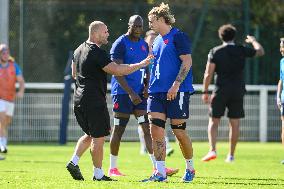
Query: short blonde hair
(163, 10)
(94, 26)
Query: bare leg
(2, 124)
(97, 151)
(147, 137)
(159, 144)
(3, 132)
(82, 145)
(146, 130)
(115, 139)
(184, 143)
(116, 134)
(213, 132)
(234, 134)
(7, 122)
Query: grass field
(257, 165)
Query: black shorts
(227, 98)
(93, 118)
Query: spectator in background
(280, 90)
(90, 66)
(10, 74)
(227, 61)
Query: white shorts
(7, 107)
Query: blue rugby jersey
(165, 69)
(130, 52)
(282, 78)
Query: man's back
(230, 62)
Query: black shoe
(74, 170)
(104, 178)
(3, 150)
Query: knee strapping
(142, 119)
(120, 121)
(179, 126)
(158, 122)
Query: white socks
(98, 173)
(189, 164)
(3, 141)
(141, 138)
(153, 159)
(113, 161)
(75, 159)
(160, 165)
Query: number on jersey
(157, 71)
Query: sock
(98, 173)
(189, 164)
(75, 159)
(4, 141)
(113, 161)
(153, 159)
(168, 146)
(141, 138)
(160, 165)
(1, 141)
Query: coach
(90, 67)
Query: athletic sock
(4, 141)
(153, 159)
(75, 159)
(189, 164)
(98, 173)
(113, 161)
(160, 165)
(141, 138)
(1, 141)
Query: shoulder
(17, 68)
(119, 40)
(217, 49)
(180, 37)
(242, 47)
(179, 33)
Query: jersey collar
(229, 43)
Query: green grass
(257, 165)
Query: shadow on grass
(230, 181)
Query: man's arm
(124, 85)
(125, 69)
(21, 81)
(279, 89)
(256, 45)
(146, 83)
(73, 66)
(208, 74)
(184, 69)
